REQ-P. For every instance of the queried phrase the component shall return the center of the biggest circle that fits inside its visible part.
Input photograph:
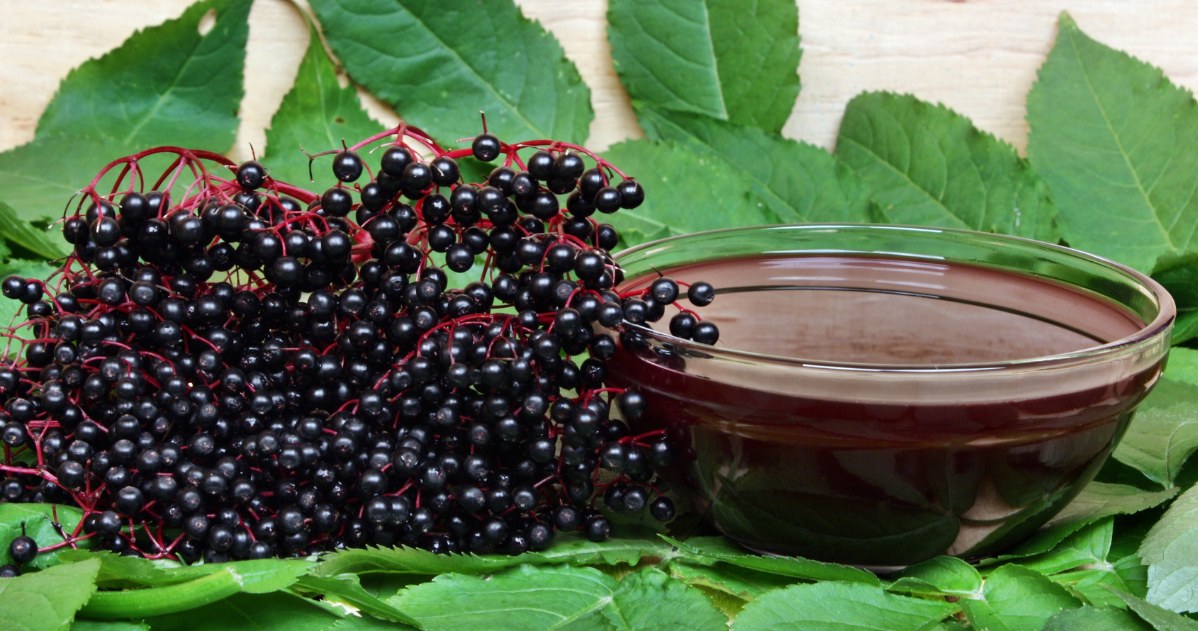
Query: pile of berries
(229, 366)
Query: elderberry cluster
(229, 366)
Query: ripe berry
(662, 509)
(486, 147)
(444, 171)
(13, 287)
(700, 294)
(267, 374)
(347, 166)
(631, 194)
(251, 175)
(23, 549)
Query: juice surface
(845, 476)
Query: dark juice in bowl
(861, 455)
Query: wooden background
(977, 56)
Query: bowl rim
(1158, 328)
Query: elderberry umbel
(229, 366)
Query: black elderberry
(486, 147)
(444, 171)
(347, 166)
(251, 175)
(631, 194)
(23, 550)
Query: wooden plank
(977, 56)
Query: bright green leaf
(107, 625)
(47, 243)
(1096, 501)
(1171, 552)
(530, 597)
(439, 63)
(1160, 440)
(47, 599)
(267, 612)
(1087, 546)
(168, 81)
(1102, 499)
(317, 114)
(720, 549)
(727, 59)
(1017, 598)
(1095, 619)
(1164, 431)
(801, 183)
(834, 605)
(170, 84)
(254, 576)
(1134, 574)
(347, 588)
(13, 311)
(354, 623)
(402, 560)
(650, 599)
(685, 191)
(1185, 328)
(1093, 586)
(37, 521)
(1161, 619)
(939, 575)
(1114, 139)
(928, 165)
(1183, 366)
(742, 583)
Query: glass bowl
(881, 395)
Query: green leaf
(1114, 139)
(1103, 499)
(168, 81)
(13, 311)
(439, 63)
(1017, 598)
(1096, 501)
(529, 597)
(801, 183)
(170, 84)
(650, 599)
(937, 576)
(268, 612)
(403, 560)
(352, 623)
(1093, 586)
(1171, 552)
(720, 549)
(1185, 328)
(1164, 431)
(317, 114)
(47, 599)
(1161, 619)
(254, 576)
(47, 243)
(1095, 619)
(37, 521)
(347, 588)
(1087, 546)
(727, 59)
(1179, 274)
(685, 191)
(928, 165)
(744, 584)
(107, 625)
(834, 605)
(1160, 439)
